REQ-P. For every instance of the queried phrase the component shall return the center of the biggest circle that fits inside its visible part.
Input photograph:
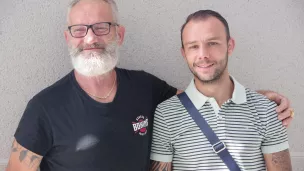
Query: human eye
(193, 47)
(101, 27)
(212, 43)
(77, 29)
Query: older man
(98, 117)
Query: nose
(204, 52)
(90, 38)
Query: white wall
(269, 50)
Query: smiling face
(206, 48)
(94, 55)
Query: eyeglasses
(99, 29)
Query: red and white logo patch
(141, 125)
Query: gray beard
(95, 63)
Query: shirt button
(220, 117)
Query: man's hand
(179, 92)
(285, 113)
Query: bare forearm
(22, 159)
(279, 161)
(160, 166)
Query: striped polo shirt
(247, 123)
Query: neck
(98, 86)
(221, 89)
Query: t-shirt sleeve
(34, 130)
(161, 147)
(161, 90)
(275, 137)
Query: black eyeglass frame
(91, 26)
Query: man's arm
(22, 159)
(160, 166)
(283, 109)
(279, 161)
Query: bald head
(113, 10)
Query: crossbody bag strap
(218, 146)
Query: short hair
(111, 2)
(202, 15)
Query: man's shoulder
(131, 74)
(171, 104)
(139, 78)
(56, 90)
(258, 100)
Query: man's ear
(121, 34)
(183, 52)
(231, 45)
(66, 36)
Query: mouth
(92, 49)
(204, 66)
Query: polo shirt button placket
(220, 117)
(223, 118)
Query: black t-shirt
(73, 132)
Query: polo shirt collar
(198, 99)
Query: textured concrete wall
(269, 50)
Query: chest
(239, 128)
(117, 133)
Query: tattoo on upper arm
(160, 166)
(26, 157)
(282, 160)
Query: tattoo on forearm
(160, 166)
(16, 147)
(25, 156)
(282, 160)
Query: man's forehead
(209, 24)
(91, 11)
(86, 6)
(82, 2)
(207, 29)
